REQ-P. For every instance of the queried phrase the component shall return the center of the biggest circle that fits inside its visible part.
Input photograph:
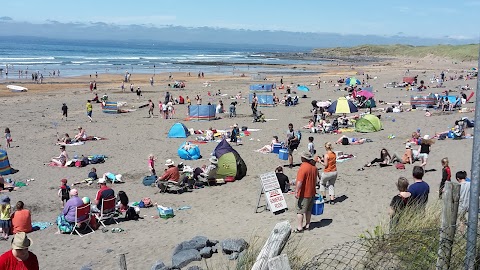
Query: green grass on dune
(458, 52)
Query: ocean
(75, 58)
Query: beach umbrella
(365, 94)
(323, 104)
(342, 105)
(303, 88)
(352, 81)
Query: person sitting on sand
(81, 136)
(310, 125)
(65, 139)
(209, 134)
(344, 140)
(122, 201)
(93, 174)
(62, 159)
(384, 160)
(428, 113)
(209, 172)
(6, 187)
(269, 147)
(21, 219)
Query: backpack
(299, 135)
(131, 214)
(149, 180)
(97, 159)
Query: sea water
(75, 58)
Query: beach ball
(86, 200)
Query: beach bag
(165, 212)
(131, 214)
(78, 164)
(400, 166)
(63, 225)
(149, 180)
(97, 159)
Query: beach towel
(38, 225)
(343, 158)
(53, 164)
(71, 144)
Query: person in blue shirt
(419, 189)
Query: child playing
(64, 191)
(93, 174)
(151, 164)
(5, 222)
(8, 137)
(446, 176)
(311, 146)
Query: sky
(422, 18)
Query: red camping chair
(107, 211)
(82, 211)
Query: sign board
(273, 193)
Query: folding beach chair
(107, 211)
(80, 212)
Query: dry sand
(217, 212)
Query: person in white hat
(103, 193)
(171, 173)
(19, 257)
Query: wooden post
(274, 245)
(279, 263)
(451, 199)
(122, 262)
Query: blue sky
(424, 18)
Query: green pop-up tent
(368, 123)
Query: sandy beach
(219, 212)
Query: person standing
(446, 176)
(19, 257)
(151, 106)
(292, 144)
(419, 189)
(399, 202)
(283, 180)
(254, 104)
(89, 110)
(329, 174)
(64, 111)
(305, 191)
(461, 177)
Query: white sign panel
(273, 193)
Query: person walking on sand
(292, 144)
(151, 106)
(89, 110)
(64, 111)
(305, 191)
(8, 137)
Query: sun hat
(426, 137)
(101, 180)
(64, 181)
(4, 199)
(169, 162)
(74, 192)
(408, 145)
(86, 200)
(213, 160)
(21, 241)
(307, 155)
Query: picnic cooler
(276, 148)
(318, 205)
(283, 154)
(165, 212)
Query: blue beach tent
(178, 130)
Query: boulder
(184, 257)
(159, 265)
(233, 245)
(195, 268)
(233, 256)
(200, 241)
(206, 252)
